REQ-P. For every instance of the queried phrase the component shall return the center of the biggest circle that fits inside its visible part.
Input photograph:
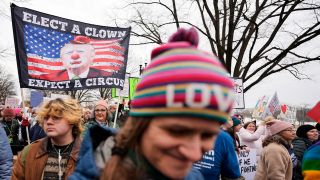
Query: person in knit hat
(306, 136)
(100, 115)
(318, 128)
(233, 133)
(11, 126)
(183, 97)
(277, 159)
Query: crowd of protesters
(179, 117)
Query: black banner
(55, 53)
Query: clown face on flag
(61, 54)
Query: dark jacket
(36, 132)
(88, 168)
(12, 130)
(300, 145)
(5, 156)
(31, 163)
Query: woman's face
(251, 127)
(173, 144)
(237, 128)
(313, 134)
(288, 134)
(100, 113)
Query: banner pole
(116, 113)
(23, 107)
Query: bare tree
(7, 86)
(253, 39)
(81, 95)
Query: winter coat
(93, 156)
(311, 163)
(275, 163)
(5, 156)
(252, 140)
(300, 145)
(12, 130)
(36, 132)
(33, 158)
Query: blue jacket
(5, 155)
(36, 132)
(222, 160)
(87, 168)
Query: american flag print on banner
(43, 48)
(55, 53)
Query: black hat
(303, 129)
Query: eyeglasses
(100, 110)
(55, 119)
(291, 130)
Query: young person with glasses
(53, 157)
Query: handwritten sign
(239, 94)
(12, 102)
(248, 163)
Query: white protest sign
(12, 102)
(239, 96)
(61, 96)
(288, 113)
(248, 163)
(125, 91)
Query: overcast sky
(101, 12)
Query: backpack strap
(24, 154)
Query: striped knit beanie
(182, 80)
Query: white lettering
(76, 29)
(77, 83)
(170, 97)
(191, 94)
(26, 17)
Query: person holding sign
(251, 136)
(184, 96)
(277, 159)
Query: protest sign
(239, 95)
(133, 81)
(55, 53)
(288, 113)
(61, 96)
(124, 92)
(12, 102)
(248, 163)
(260, 107)
(36, 98)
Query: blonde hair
(69, 109)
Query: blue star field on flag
(44, 42)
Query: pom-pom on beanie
(182, 80)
